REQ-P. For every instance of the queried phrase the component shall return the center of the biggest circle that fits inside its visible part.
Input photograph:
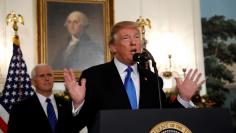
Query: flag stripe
(4, 114)
(3, 125)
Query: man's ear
(32, 82)
(112, 48)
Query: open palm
(191, 84)
(76, 91)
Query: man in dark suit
(108, 85)
(34, 115)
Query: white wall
(176, 30)
(2, 39)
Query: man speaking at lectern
(122, 83)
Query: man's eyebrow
(40, 74)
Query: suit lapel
(117, 84)
(41, 115)
(143, 84)
(146, 90)
(60, 109)
(39, 107)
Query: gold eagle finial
(13, 19)
(142, 24)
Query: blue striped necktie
(51, 115)
(130, 88)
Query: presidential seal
(170, 127)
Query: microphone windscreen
(141, 57)
(137, 57)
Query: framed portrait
(73, 34)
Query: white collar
(42, 98)
(122, 67)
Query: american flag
(17, 86)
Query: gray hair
(33, 72)
(83, 18)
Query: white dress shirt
(44, 104)
(134, 75)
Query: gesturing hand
(191, 84)
(76, 91)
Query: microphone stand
(156, 72)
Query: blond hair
(121, 25)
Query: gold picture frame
(55, 29)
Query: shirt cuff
(186, 104)
(77, 110)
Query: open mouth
(133, 51)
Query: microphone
(144, 57)
(141, 57)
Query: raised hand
(191, 84)
(76, 91)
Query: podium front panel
(142, 121)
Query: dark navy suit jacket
(28, 116)
(105, 91)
